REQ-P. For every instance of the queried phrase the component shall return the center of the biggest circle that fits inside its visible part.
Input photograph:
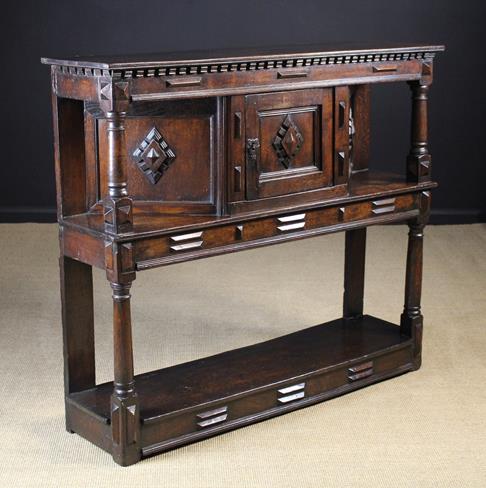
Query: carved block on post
(125, 413)
(419, 160)
(117, 206)
(411, 321)
(125, 428)
(118, 214)
(119, 262)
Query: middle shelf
(162, 239)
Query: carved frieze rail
(264, 64)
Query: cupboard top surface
(254, 54)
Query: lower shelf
(190, 401)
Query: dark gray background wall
(32, 28)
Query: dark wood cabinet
(167, 158)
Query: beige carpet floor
(423, 429)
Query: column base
(125, 429)
(118, 214)
(413, 327)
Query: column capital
(119, 264)
(113, 95)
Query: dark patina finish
(166, 158)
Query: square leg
(78, 327)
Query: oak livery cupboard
(167, 158)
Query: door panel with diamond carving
(289, 142)
(172, 157)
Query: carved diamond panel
(288, 142)
(154, 156)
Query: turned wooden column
(419, 162)
(117, 206)
(125, 414)
(411, 321)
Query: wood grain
(167, 158)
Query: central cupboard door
(289, 142)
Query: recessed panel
(288, 139)
(170, 153)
